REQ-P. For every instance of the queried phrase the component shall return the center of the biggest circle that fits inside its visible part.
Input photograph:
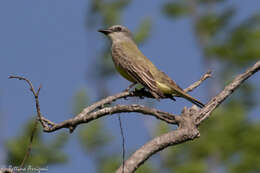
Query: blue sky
(47, 42)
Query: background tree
(92, 136)
(225, 144)
(228, 141)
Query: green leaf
(81, 100)
(211, 24)
(176, 9)
(93, 137)
(43, 153)
(240, 46)
(143, 31)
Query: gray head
(117, 33)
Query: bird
(130, 62)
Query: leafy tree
(42, 154)
(229, 140)
(225, 143)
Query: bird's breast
(124, 73)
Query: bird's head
(117, 33)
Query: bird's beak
(105, 31)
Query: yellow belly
(124, 74)
(164, 88)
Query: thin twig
(36, 94)
(123, 142)
(228, 90)
(29, 147)
(98, 110)
(164, 116)
(188, 126)
(197, 83)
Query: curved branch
(228, 90)
(155, 145)
(70, 123)
(136, 93)
(187, 131)
(190, 120)
(99, 109)
(196, 84)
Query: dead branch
(100, 108)
(189, 121)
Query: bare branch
(35, 94)
(98, 109)
(85, 118)
(196, 84)
(36, 121)
(136, 93)
(155, 145)
(29, 148)
(228, 90)
(188, 123)
(187, 131)
(187, 127)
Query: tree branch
(196, 84)
(100, 109)
(189, 121)
(228, 90)
(187, 131)
(72, 123)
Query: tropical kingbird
(135, 67)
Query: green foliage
(147, 168)
(240, 46)
(42, 153)
(105, 65)
(108, 11)
(210, 1)
(176, 9)
(109, 164)
(248, 151)
(229, 139)
(142, 32)
(93, 136)
(81, 100)
(161, 128)
(211, 24)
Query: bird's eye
(118, 29)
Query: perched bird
(135, 67)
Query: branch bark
(101, 108)
(188, 126)
(187, 122)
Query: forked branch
(188, 126)
(101, 108)
(187, 122)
